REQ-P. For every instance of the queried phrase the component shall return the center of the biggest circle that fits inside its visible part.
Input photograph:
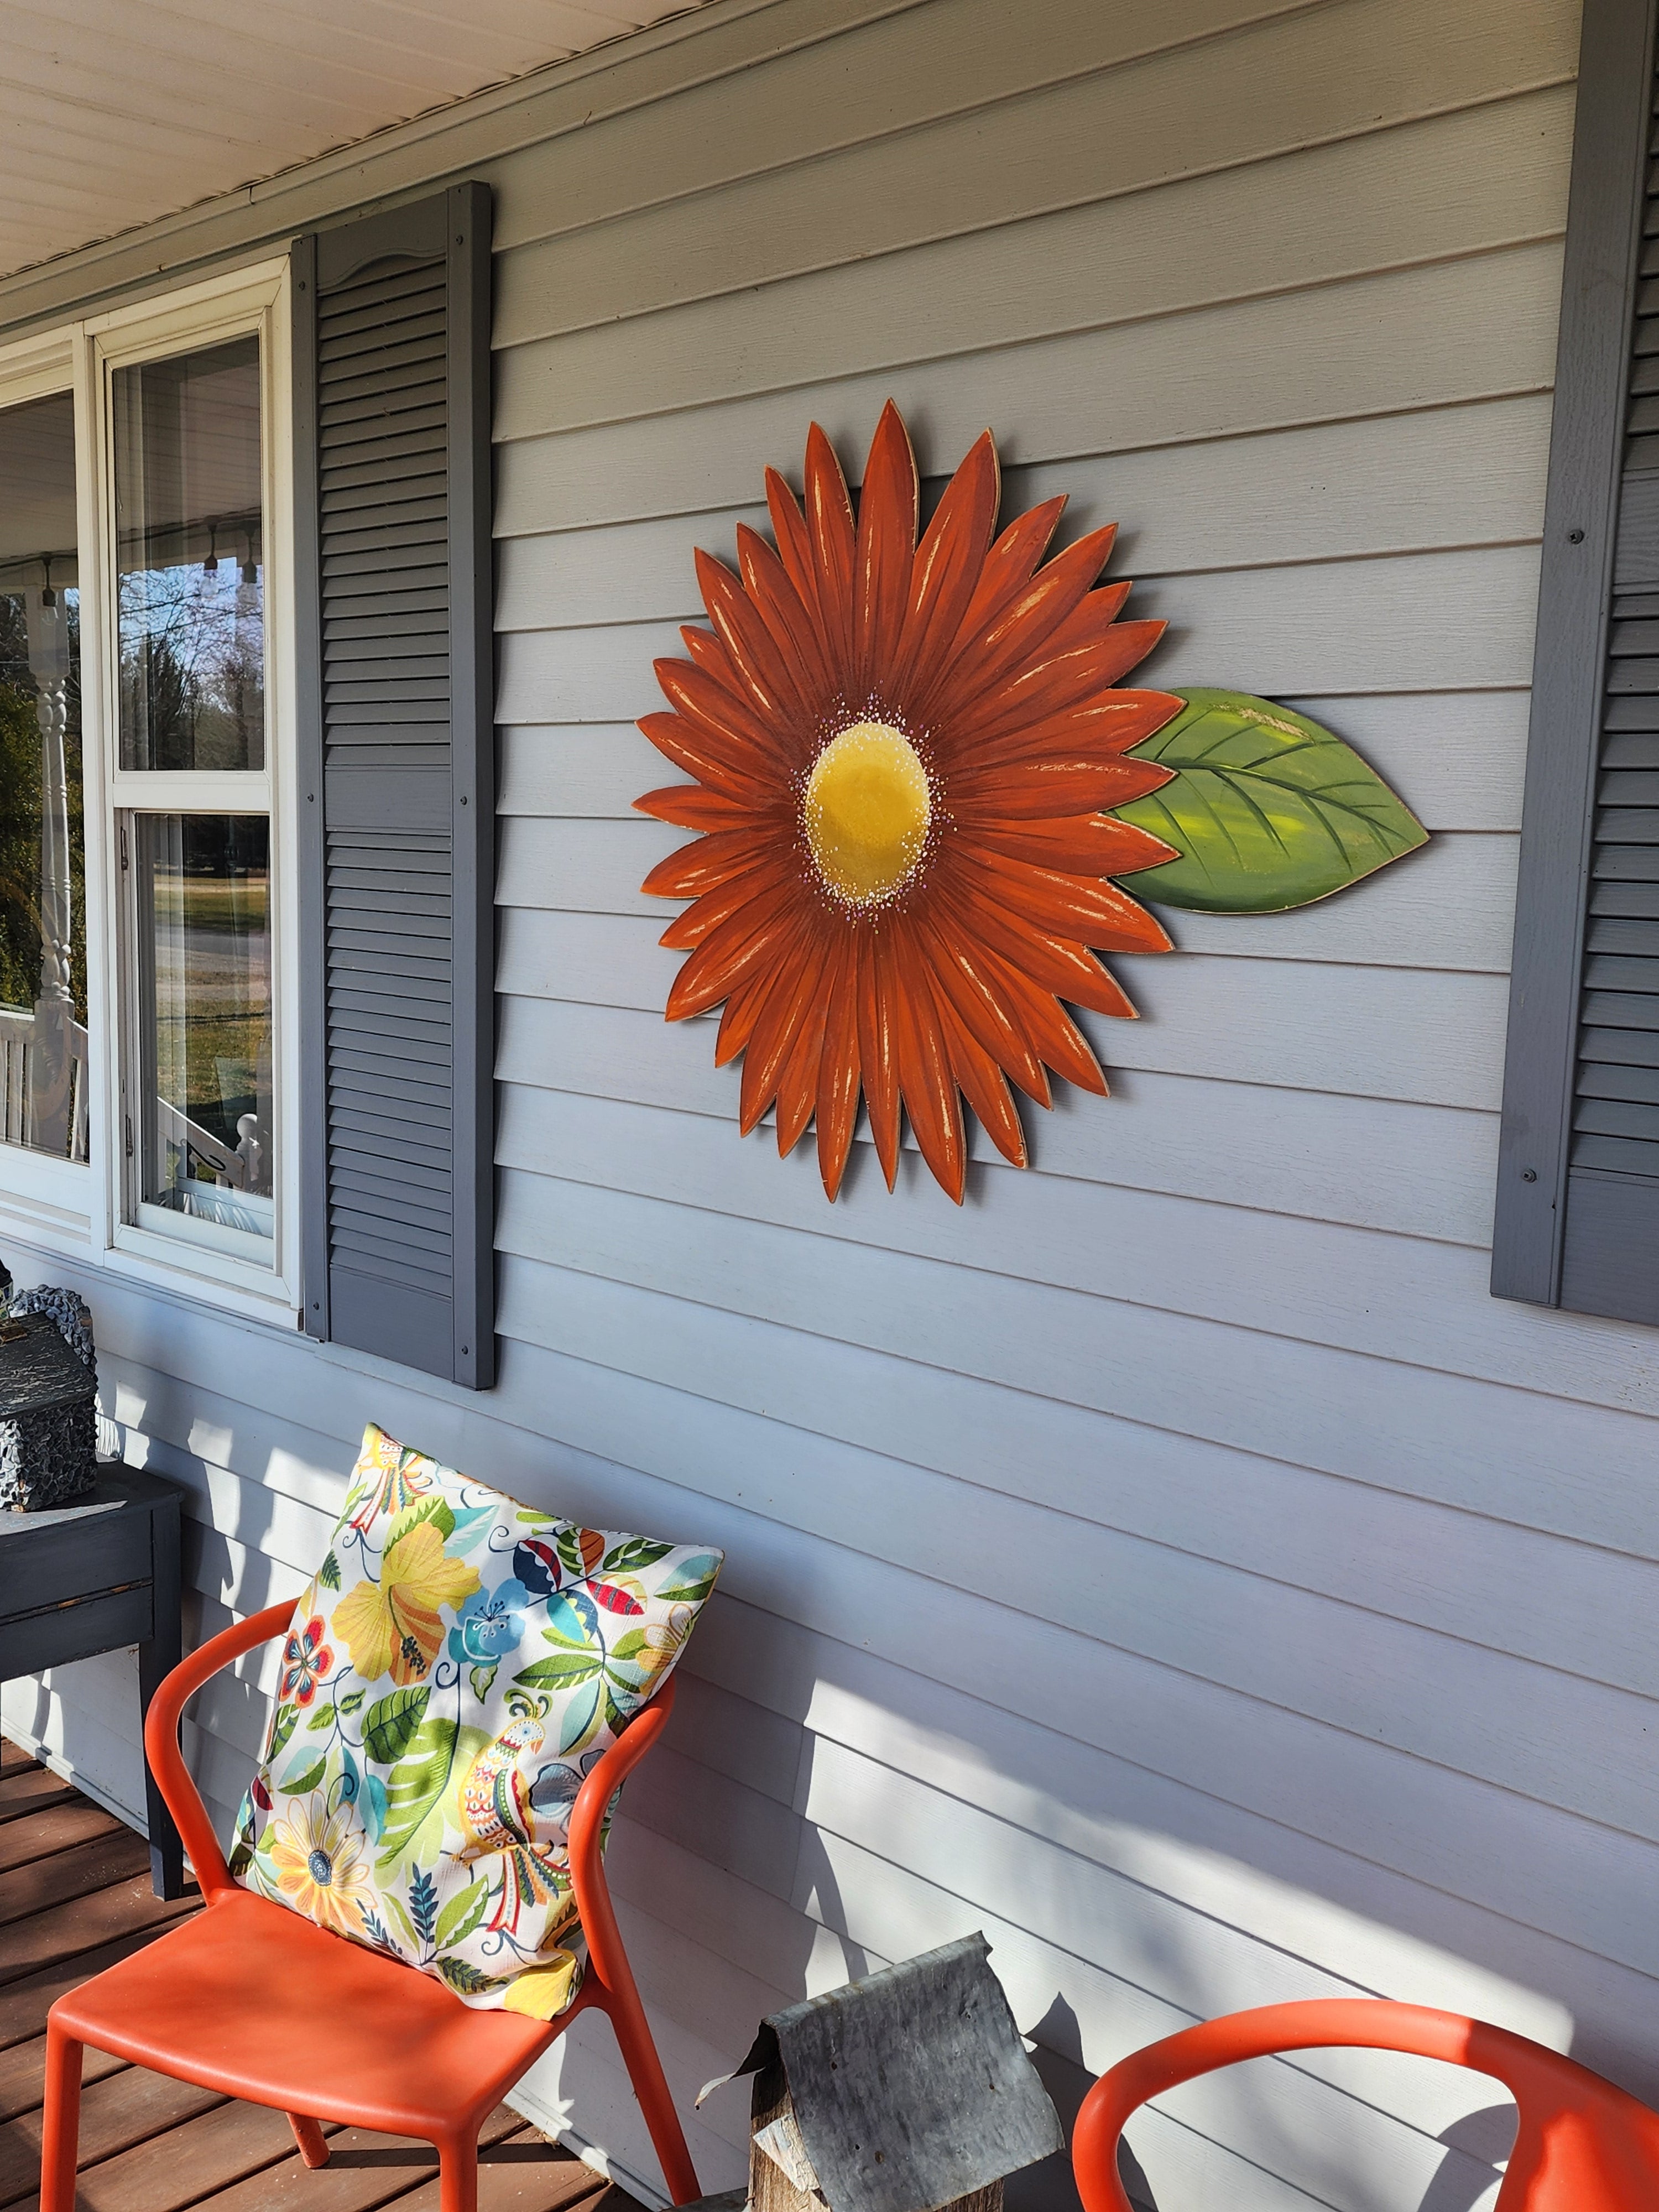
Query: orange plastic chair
(1582, 2145)
(251, 1999)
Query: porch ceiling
(113, 113)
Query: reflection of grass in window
(213, 999)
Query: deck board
(72, 1874)
(57, 1827)
(22, 2072)
(24, 1789)
(150, 2143)
(83, 1923)
(366, 2171)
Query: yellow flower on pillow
(392, 1627)
(321, 1866)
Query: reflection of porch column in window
(53, 1055)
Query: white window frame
(91, 1210)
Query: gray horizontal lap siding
(1175, 1562)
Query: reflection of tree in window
(190, 586)
(20, 812)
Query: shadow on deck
(75, 1896)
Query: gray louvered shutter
(1577, 1211)
(397, 772)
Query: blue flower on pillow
(491, 1624)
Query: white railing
(239, 1163)
(20, 1084)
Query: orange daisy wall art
(919, 782)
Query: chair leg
(61, 2121)
(314, 2144)
(651, 2088)
(458, 2173)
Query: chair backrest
(1582, 2145)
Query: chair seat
(252, 2000)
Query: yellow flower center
(866, 813)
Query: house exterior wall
(1173, 1562)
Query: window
(1577, 1211)
(43, 951)
(149, 967)
(199, 1114)
(196, 758)
(247, 858)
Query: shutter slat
(361, 436)
(1624, 898)
(1611, 1080)
(367, 295)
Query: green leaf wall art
(1266, 810)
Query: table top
(117, 1485)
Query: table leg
(156, 1661)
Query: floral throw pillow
(457, 1667)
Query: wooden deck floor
(75, 1896)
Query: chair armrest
(162, 1738)
(1318, 2024)
(593, 1906)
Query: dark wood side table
(92, 1577)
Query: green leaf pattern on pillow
(457, 1668)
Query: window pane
(204, 995)
(42, 1006)
(190, 560)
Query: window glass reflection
(42, 1008)
(204, 983)
(190, 560)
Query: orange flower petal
(775, 1027)
(964, 983)
(980, 666)
(883, 553)
(728, 954)
(1010, 565)
(947, 568)
(927, 1080)
(715, 760)
(690, 806)
(767, 583)
(737, 1018)
(701, 919)
(752, 648)
(1066, 679)
(1052, 1031)
(837, 1107)
(986, 1089)
(877, 1056)
(830, 524)
(1076, 845)
(1096, 914)
(1039, 790)
(710, 861)
(1099, 729)
(718, 717)
(797, 1081)
(1061, 965)
(795, 551)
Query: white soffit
(119, 112)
